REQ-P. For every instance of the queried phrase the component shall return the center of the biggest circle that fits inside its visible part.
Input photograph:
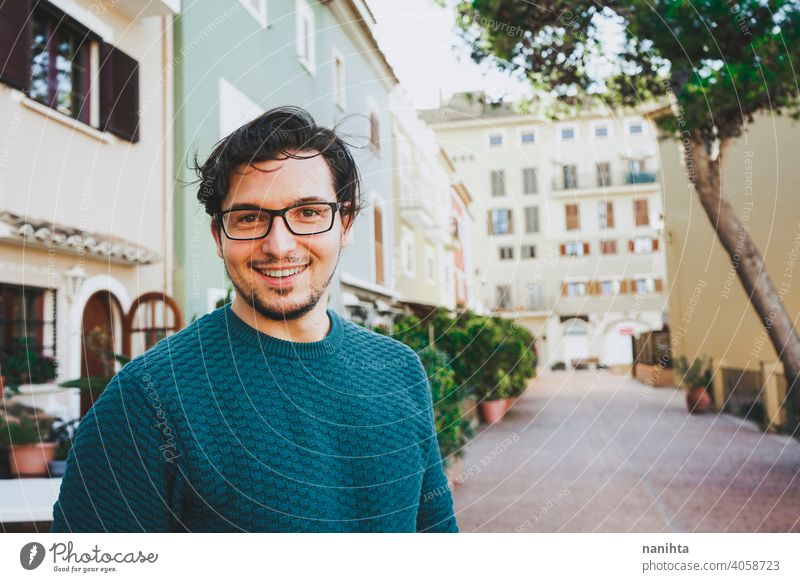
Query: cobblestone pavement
(594, 451)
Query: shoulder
(177, 351)
(376, 344)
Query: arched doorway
(101, 335)
(617, 342)
(576, 341)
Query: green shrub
(452, 429)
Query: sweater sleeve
(435, 513)
(121, 472)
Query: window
(430, 263)
(604, 174)
(498, 179)
(532, 219)
(27, 313)
(645, 285)
(495, 139)
(305, 32)
(407, 252)
(257, 9)
(339, 80)
(530, 181)
(375, 129)
(536, 295)
(608, 247)
(570, 177)
(601, 131)
(643, 245)
(575, 249)
(60, 72)
(636, 128)
(573, 220)
(605, 214)
(527, 137)
(48, 55)
(503, 296)
(575, 289)
(506, 253)
(528, 251)
(500, 221)
(568, 133)
(641, 212)
(610, 286)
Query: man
(271, 413)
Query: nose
(280, 241)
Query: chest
(339, 462)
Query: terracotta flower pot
(493, 410)
(31, 460)
(698, 400)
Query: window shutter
(609, 215)
(630, 245)
(655, 244)
(563, 288)
(489, 221)
(510, 223)
(119, 93)
(15, 43)
(585, 248)
(563, 249)
(623, 286)
(378, 217)
(659, 285)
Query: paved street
(595, 451)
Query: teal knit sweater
(223, 428)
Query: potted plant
(24, 431)
(62, 434)
(697, 380)
(26, 370)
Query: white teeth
(282, 272)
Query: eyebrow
(303, 200)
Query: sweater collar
(237, 330)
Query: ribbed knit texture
(223, 428)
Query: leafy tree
(717, 62)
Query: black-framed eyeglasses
(252, 222)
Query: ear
(216, 232)
(347, 230)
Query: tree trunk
(704, 173)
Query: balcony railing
(597, 180)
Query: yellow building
(709, 311)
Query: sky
(422, 45)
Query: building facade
(569, 242)
(238, 58)
(711, 312)
(85, 180)
(432, 217)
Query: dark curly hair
(280, 133)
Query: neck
(311, 327)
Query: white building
(432, 216)
(86, 180)
(571, 243)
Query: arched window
(152, 317)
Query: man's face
(253, 265)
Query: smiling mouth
(281, 273)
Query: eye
(309, 212)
